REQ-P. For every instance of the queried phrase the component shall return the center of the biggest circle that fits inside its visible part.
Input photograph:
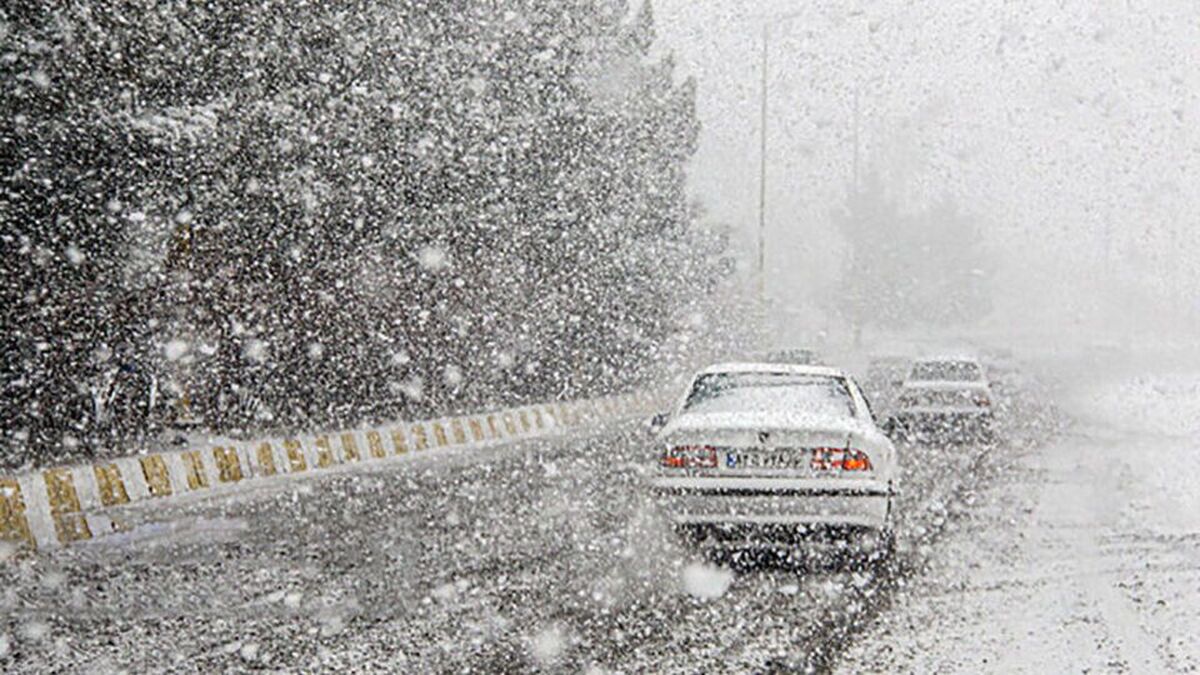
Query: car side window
(866, 401)
(870, 409)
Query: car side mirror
(657, 422)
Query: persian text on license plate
(770, 459)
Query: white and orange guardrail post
(56, 506)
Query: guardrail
(54, 507)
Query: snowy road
(542, 554)
(1084, 557)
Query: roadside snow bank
(1144, 404)
(1155, 419)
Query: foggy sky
(1073, 128)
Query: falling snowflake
(315, 350)
(254, 350)
(175, 349)
(74, 255)
(548, 645)
(414, 388)
(705, 581)
(433, 258)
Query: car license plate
(782, 458)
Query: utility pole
(762, 149)
(857, 119)
(762, 175)
(762, 153)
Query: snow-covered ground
(1048, 552)
(539, 555)
(1083, 557)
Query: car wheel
(885, 538)
(887, 547)
(987, 433)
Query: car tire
(888, 547)
(886, 537)
(987, 431)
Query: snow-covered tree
(303, 214)
(925, 267)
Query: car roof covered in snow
(945, 385)
(759, 367)
(947, 358)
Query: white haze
(1071, 128)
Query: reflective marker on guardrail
(54, 507)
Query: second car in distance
(945, 398)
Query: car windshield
(785, 392)
(947, 371)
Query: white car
(774, 456)
(945, 398)
(799, 356)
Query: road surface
(540, 555)
(1083, 557)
